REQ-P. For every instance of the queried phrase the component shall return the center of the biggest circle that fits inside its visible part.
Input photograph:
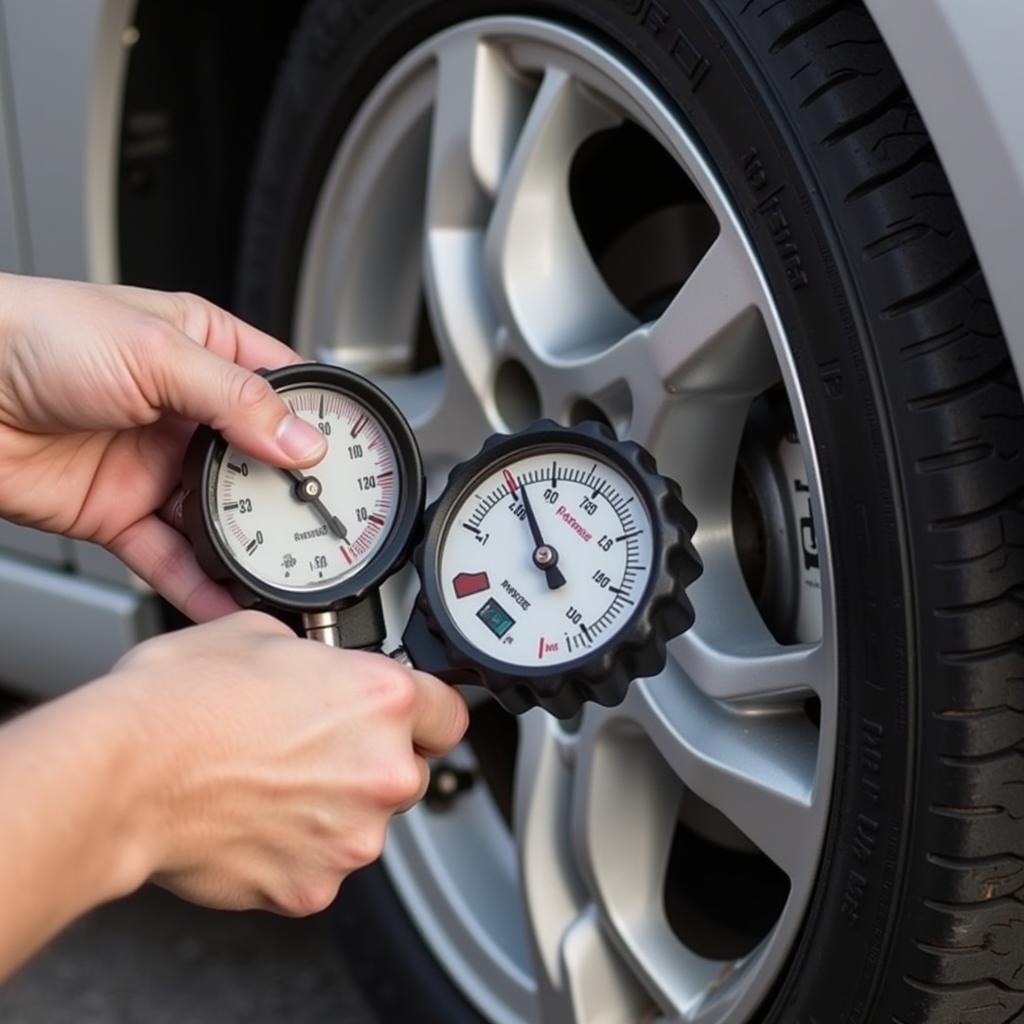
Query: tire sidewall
(713, 64)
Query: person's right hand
(271, 765)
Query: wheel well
(199, 80)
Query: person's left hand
(100, 390)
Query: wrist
(123, 834)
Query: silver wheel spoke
(464, 323)
(581, 977)
(729, 654)
(479, 110)
(552, 893)
(712, 339)
(709, 351)
(757, 770)
(540, 272)
(444, 412)
(626, 803)
(600, 986)
(759, 670)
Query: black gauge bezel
(206, 452)
(462, 483)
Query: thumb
(238, 403)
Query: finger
(441, 716)
(424, 769)
(183, 377)
(164, 559)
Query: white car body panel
(962, 62)
(62, 68)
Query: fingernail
(300, 440)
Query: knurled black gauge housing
(553, 570)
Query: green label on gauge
(495, 618)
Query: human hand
(270, 766)
(100, 390)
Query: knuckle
(400, 783)
(365, 846)
(247, 391)
(155, 337)
(314, 897)
(185, 301)
(395, 690)
(191, 313)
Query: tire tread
(958, 953)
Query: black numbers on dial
(589, 511)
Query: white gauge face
(315, 529)
(588, 515)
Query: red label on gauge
(466, 584)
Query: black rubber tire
(917, 415)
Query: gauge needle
(545, 557)
(308, 491)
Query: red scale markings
(544, 647)
(365, 540)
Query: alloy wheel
(518, 225)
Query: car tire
(917, 418)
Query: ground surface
(154, 960)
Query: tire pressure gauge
(316, 544)
(553, 568)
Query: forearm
(71, 834)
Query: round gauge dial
(545, 558)
(310, 530)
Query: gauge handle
(323, 627)
(359, 627)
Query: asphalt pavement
(152, 959)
